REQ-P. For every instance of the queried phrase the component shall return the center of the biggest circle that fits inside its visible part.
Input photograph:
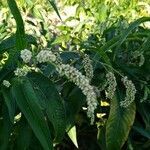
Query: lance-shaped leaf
(24, 135)
(5, 129)
(10, 102)
(73, 135)
(20, 33)
(54, 103)
(27, 101)
(119, 123)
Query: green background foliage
(46, 111)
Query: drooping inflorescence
(83, 83)
(87, 64)
(72, 74)
(111, 81)
(130, 92)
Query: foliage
(44, 105)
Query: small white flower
(26, 55)
(6, 83)
(83, 83)
(130, 92)
(87, 64)
(22, 71)
(111, 80)
(45, 56)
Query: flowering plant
(95, 89)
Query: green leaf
(27, 101)
(73, 103)
(24, 135)
(145, 46)
(119, 123)
(127, 31)
(73, 135)
(66, 56)
(144, 111)
(118, 40)
(53, 4)
(9, 43)
(101, 137)
(10, 102)
(132, 26)
(20, 33)
(5, 72)
(102, 50)
(5, 129)
(54, 103)
(142, 131)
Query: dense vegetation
(74, 75)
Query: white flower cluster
(130, 92)
(70, 72)
(26, 55)
(111, 80)
(22, 71)
(45, 56)
(58, 58)
(87, 64)
(6, 83)
(83, 83)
